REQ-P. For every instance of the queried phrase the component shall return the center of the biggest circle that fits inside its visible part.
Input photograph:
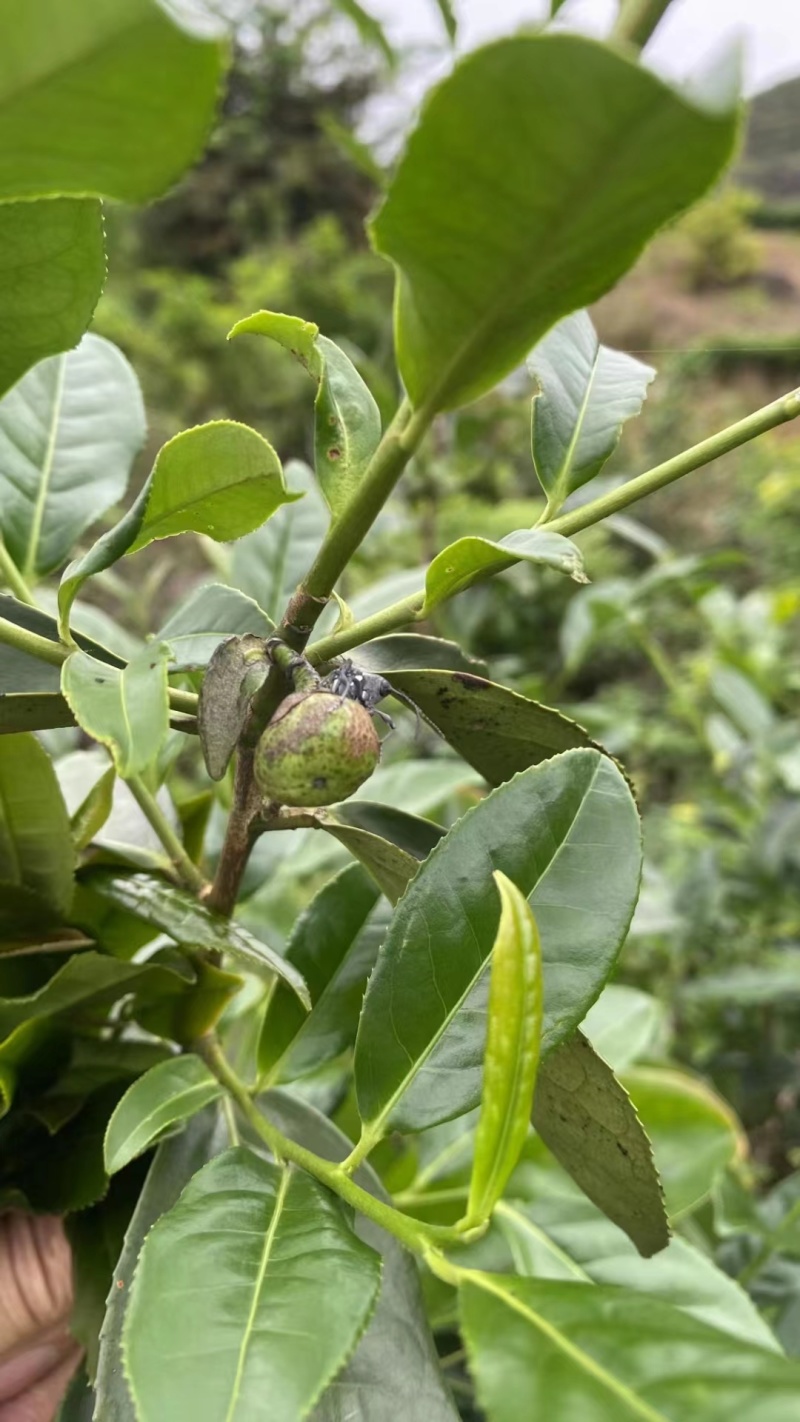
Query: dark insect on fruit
(367, 688)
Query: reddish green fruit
(316, 750)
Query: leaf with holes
(125, 709)
(293, 1289)
(348, 422)
(586, 393)
(567, 834)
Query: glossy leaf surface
(52, 270)
(348, 422)
(586, 393)
(125, 709)
(36, 852)
(472, 559)
(183, 919)
(567, 834)
(513, 1035)
(69, 431)
(163, 1097)
(614, 1357)
(221, 479)
(394, 1372)
(535, 121)
(331, 949)
(72, 115)
(174, 1164)
(405, 651)
(287, 1269)
(586, 1118)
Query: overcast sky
(691, 31)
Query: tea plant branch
(185, 869)
(11, 575)
(184, 702)
(767, 418)
(414, 1234)
(377, 625)
(637, 21)
(305, 607)
(399, 614)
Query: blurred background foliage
(683, 654)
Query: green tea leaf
(221, 479)
(586, 1118)
(348, 422)
(625, 1024)
(94, 810)
(20, 673)
(389, 843)
(406, 651)
(584, 154)
(33, 711)
(695, 1134)
(269, 564)
(166, 1096)
(187, 922)
(470, 560)
(69, 431)
(332, 946)
(126, 710)
(36, 852)
(110, 100)
(394, 1373)
(586, 393)
(52, 270)
(96, 1237)
(296, 1273)
(496, 730)
(513, 1034)
(556, 1233)
(210, 615)
(86, 978)
(176, 1161)
(567, 834)
(237, 668)
(535, 1347)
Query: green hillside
(771, 162)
